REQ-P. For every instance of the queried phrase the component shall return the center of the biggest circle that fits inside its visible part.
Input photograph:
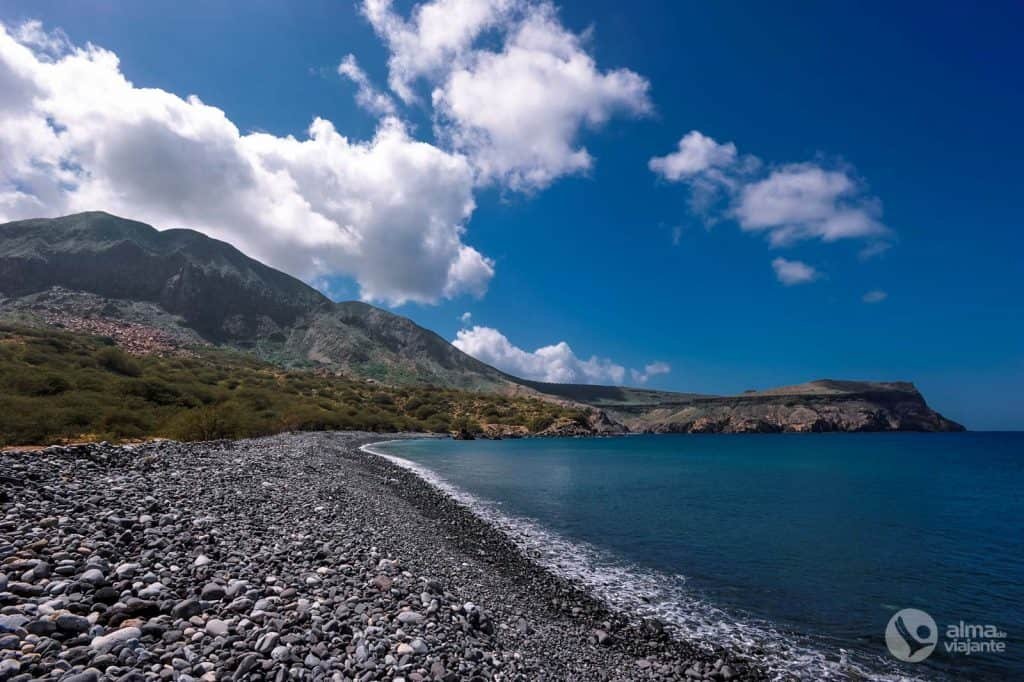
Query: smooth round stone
(212, 592)
(410, 618)
(107, 642)
(106, 595)
(93, 576)
(70, 622)
(267, 642)
(216, 627)
(186, 609)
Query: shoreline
(529, 550)
(488, 537)
(296, 554)
(480, 536)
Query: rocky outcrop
(502, 431)
(602, 425)
(809, 408)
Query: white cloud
(465, 317)
(791, 272)
(556, 363)
(517, 113)
(875, 296)
(389, 212)
(804, 201)
(697, 153)
(49, 43)
(788, 203)
(517, 109)
(367, 96)
(876, 248)
(436, 34)
(651, 370)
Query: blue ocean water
(798, 548)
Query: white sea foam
(642, 593)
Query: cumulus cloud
(77, 135)
(787, 203)
(517, 112)
(465, 317)
(791, 272)
(875, 296)
(367, 96)
(514, 104)
(435, 35)
(651, 370)
(697, 153)
(804, 201)
(556, 363)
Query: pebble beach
(292, 557)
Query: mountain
(94, 264)
(215, 288)
(156, 290)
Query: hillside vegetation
(56, 387)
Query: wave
(643, 593)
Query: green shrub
(37, 383)
(464, 424)
(116, 360)
(204, 423)
(124, 423)
(155, 391)
(540, 422)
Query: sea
(803, 551)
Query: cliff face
(819, 406)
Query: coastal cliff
(813, 407)
(862, 407)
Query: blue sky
(918, 107)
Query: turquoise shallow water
(801, 546)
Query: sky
(705, 197)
